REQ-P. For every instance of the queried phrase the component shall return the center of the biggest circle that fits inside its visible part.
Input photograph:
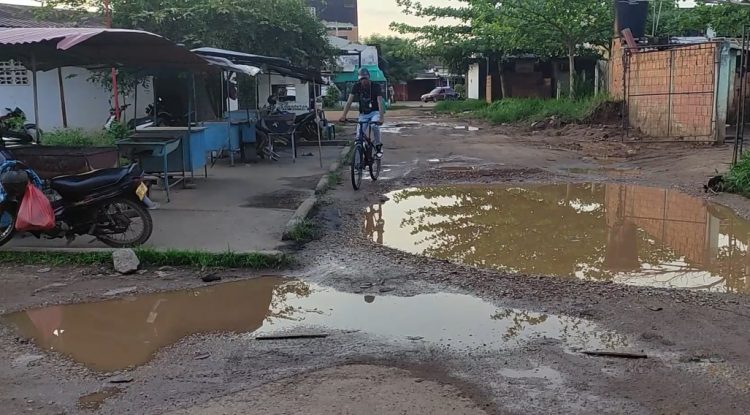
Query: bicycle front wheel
(375, 169)
(358, 162)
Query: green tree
(403, 59)
(451, 35)
(494, 28)
(727, 19)
(283, 28)
(555, 27)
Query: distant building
(339, 16)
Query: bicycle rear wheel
(357, 168)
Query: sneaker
(379, 151)
(153, 206)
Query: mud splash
(607, 232)
(119, 334)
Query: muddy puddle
(401, 126)
(613, 171)
(118, 334)
(606, 232)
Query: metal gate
(670, 92)
(740, 97)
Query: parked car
(440, 94)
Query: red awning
(94, 47)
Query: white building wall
(472, 81)
(300, 105)
(87, 104)
(347, 63)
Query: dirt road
(394, 332)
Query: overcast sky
(376, 15)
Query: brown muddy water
(118, 334)
(607, 232)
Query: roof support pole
(317, 122)
(36, 97)
(63, 109)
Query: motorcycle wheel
(123, 223)
(7, 225)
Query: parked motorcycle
(113, 115)
(308, 125)
(106, 204)
(14, 129)
(162, 119)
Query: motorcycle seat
(81, 183)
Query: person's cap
(363, 73)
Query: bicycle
(362, 156)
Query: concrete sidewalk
(242, 208)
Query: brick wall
(670, 92)
(672, 218)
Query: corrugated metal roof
(55, 47)
(67, 37)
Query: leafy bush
(14, 123)
(460, 90)
(331, 98)
(77, 138)
(738, 178)
(117, 131)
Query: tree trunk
(572, 69)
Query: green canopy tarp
(376, 75)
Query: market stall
(280, 87)
(42, 49)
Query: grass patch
(456, 107)
(77, 138)
(334, 178)
(304, 231)
(511, 110)
(73, 137)
(151, 257)
(395, 107)
(737, 180)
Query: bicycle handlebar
(362, 122)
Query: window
(313, 11)
(13, 73)
(284, 93)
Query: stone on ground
(125, 261)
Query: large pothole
(607, 232)
(118, 334)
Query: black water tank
(631, 14)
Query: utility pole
(115, 93)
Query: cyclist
(371, 107)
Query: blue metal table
(144, 148)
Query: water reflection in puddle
(626, 234)
(117, 334)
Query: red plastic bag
(35, 213)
